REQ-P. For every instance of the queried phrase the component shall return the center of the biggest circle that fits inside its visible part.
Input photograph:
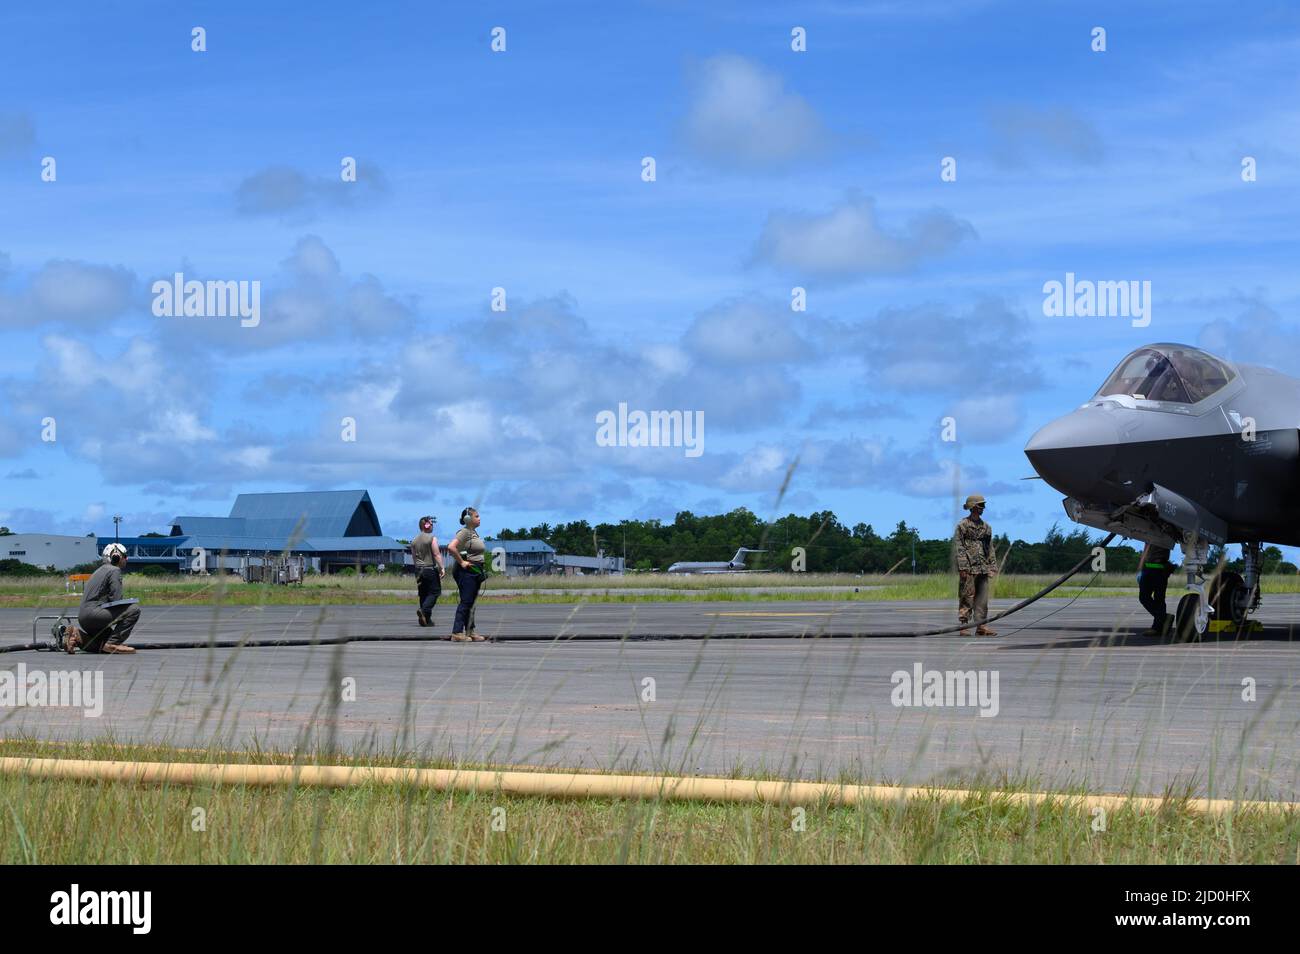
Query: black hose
(263, 643)
(240, 643)
(337, 640)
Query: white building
(49, 549)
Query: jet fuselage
(1234, 452)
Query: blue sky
(522, 170)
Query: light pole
(117, 521)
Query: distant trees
(828, 545)
(13, 567)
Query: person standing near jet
(467, 549)
(429, 570)
(975, 565)
(1154, 568)
(104, 622)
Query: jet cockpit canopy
(1173, 373)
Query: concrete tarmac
(1072, 695)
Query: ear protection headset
(464, 516)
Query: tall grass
(62, 822)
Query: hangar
(328, 530)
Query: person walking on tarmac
(429, 570)
(975, 565)
(105, 620)
(1154, 568)
(467, 549)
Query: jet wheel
(1185, 618)
(1229, 598)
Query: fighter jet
(1179, 447)
(735, 565)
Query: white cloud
(931, 349)
(133, 413)
(762, 468)
(293, 195)
(873, 464)
(987, 419)
(746, 331)
(1024, 133)
(309, 301)
(1258, 334)
(68, 292)
(178, 425)
(252, 458)
(741, 113)
(849, 242)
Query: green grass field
(47, 821)
(385, 589)
(394, 590)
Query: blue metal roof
(210, 525)
(217, 543)
(314, 521)
(327, 513)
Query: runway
(1076, 698)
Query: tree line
(828, 546)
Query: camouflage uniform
(974, 544)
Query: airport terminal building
(329, 530)
(49, 549)
(533, 557)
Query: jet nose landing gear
(1192, 618)
(1230, 600)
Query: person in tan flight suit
(976, 564)
(428, 570)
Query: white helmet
(112, 550)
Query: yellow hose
(566, 785)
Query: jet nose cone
(1075, 453)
